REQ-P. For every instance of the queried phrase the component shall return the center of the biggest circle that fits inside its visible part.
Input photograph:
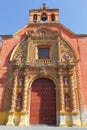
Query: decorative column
(11, 117)
(24, 113)
(62, 105)
(15, 82)
(72, 90)
(24, 105)
(61, 100)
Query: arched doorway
(43, 102)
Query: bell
(44, 17)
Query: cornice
(6, 36)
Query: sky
(14, 14)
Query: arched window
(67, 103)
(52, 17)
(44, 17)
(35, 18)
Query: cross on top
(44, 4)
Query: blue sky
(14, 14)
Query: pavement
(42, 127)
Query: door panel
(43, 102)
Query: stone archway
(43, 102)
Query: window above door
(43, 52)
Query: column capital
(60, 73)
(15, 72)
(58, 38)
(71, 73)
(26, 72)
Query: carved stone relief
(21, 53)
(66, 52)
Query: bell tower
(44, 15)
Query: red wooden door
(43, 102)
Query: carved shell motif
(67, 54)
(20, 54)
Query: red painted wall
(79, 44)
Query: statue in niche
(19, 102)
(67, 102)
(66, 81)
(21, 80)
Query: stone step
(40, 128)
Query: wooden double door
(43, 102)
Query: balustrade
(43, 61)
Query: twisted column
(62, 104)
(15, 82)
(72, 89)
(24, 104)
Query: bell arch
(44, 17)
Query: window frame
(44, 47)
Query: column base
(70, 119)
(62, 120)
(24, 119)
(65, 119)
(76, 120)
(62, 125)
(10, 119)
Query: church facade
(43, 78)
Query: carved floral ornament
(20, 54)
(47, 31)
(67, 54)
